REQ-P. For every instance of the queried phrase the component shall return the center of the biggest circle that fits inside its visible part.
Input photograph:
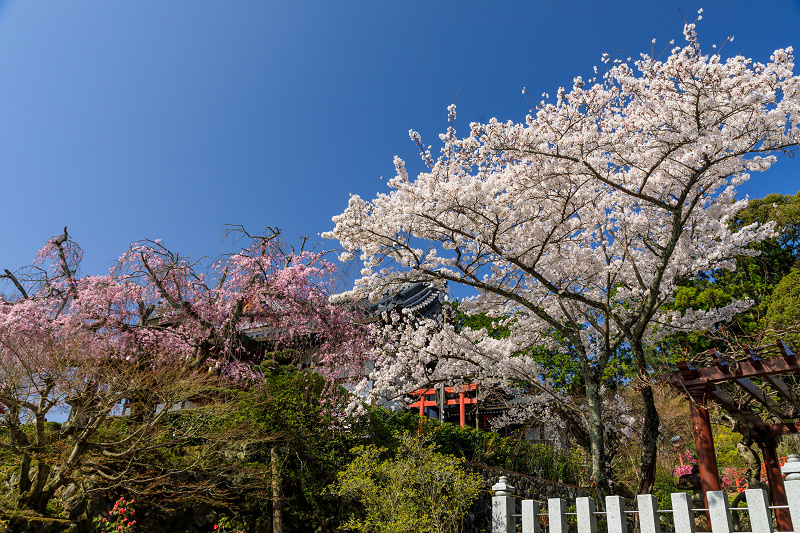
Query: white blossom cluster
(581, 220)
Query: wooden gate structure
(776, 410)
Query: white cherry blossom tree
(576, 225)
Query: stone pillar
(502, 506)
(648, 513)
(442, 401)
(585, 510)
(530, 517)
(682, 513)
(758, 511)
(777, 492)
(792, 485)
(719, 514)
(557, 515)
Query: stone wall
(527, 487)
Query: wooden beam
(775, 382)
(745, 369)
(747, 418)
(748, 386)
(763, 398)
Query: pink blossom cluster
(158, 309)
(687, 459)
(731, 477)
(121, 518)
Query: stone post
(682, 513)
(557, 515)
(792, 485)
(503, 507)
(615, 515)
(649, 521)
(719, 514)
(758, 510)
(530, 517)
(587, 520)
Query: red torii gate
(461, 401)
(700, 384)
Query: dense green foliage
(755, 277)
(417, 489)
(292, 411)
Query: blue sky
(168, 119)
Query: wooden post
(277, 496)
(441, 401)
(777, 492)
(704, 443)
(461, 410)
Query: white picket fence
(504, 517)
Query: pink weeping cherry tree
(158, 330)
(576, 225)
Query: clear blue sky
(128, 119)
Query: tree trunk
(598, 453)
(277, 496)
(649, 451)
(649, 440)
(35, 499)
(25, 474)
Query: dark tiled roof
(423, 299)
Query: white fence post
(587, 520)
(719, 513)
(615, 514)
(530, 517)
(503, 507)
(648, 514)
(557, 515)
(682, 513)
(792, 485)
(758, 510)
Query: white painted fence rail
(504, 517)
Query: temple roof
(421, 298)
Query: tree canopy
(580, 221)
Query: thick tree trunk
(596, 437)
(649, 443)
(753, 472)
(649, 450)
(37, 499)
(25, 474)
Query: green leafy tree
(755, 277)
(783, 310)
(416, 490)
